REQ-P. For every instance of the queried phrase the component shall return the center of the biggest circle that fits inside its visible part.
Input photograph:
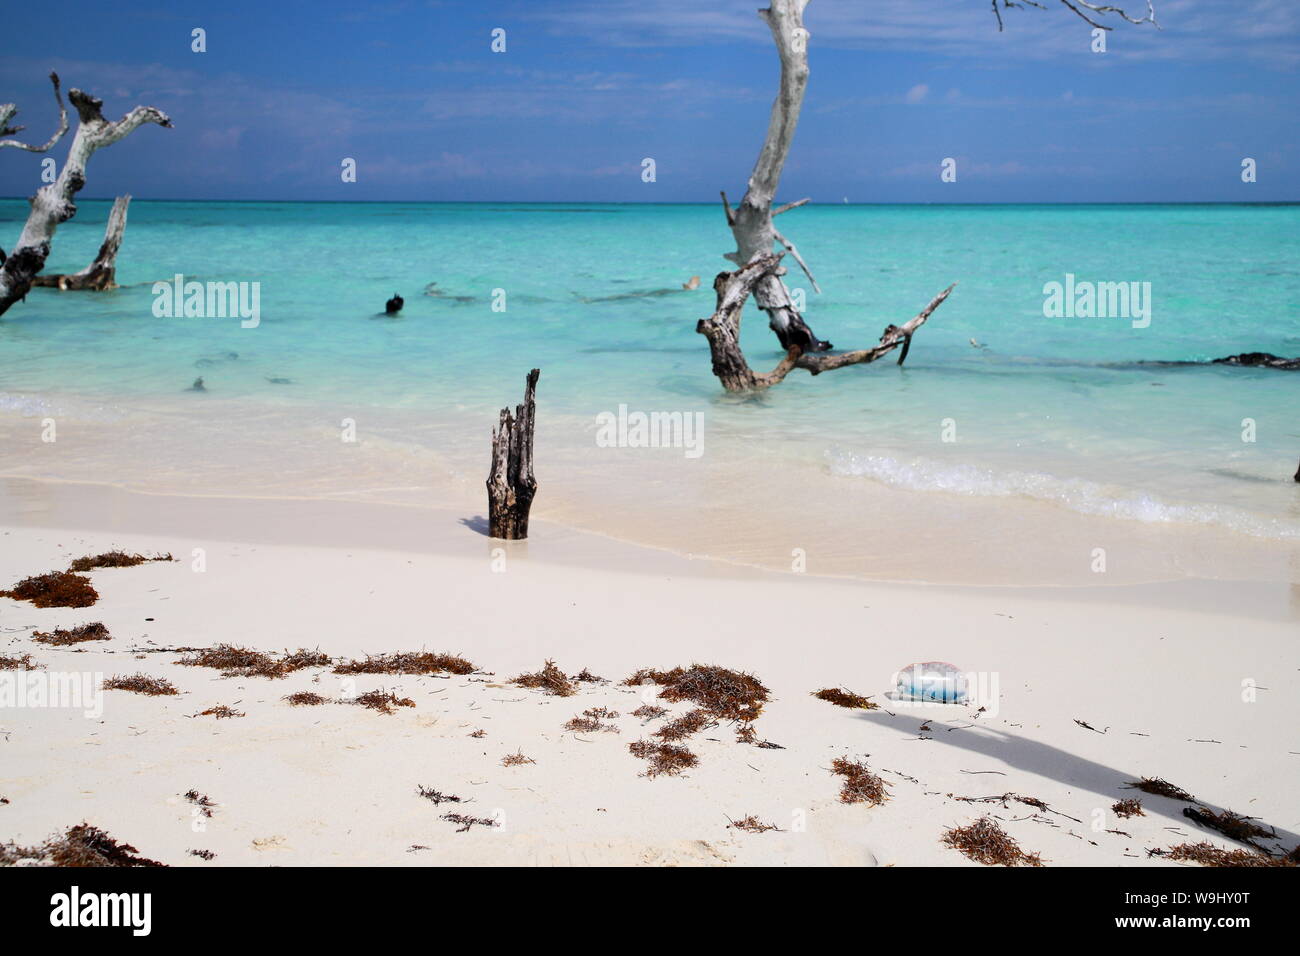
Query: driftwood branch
(892, 338)
(722, 329)
(1090, 12)
(101, 274)
(790, 205)
(511, 484)
(54, 203)
(9, 110)
(751, 222)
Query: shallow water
(1055, 420)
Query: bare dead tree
(101, 274)
(760, 269)
(751, 222)
(53, 204)
(751, 225)
(511, 484)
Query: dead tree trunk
(101, 274)
(722, 329)
(511, 484)
(53, 204)
(751, 223)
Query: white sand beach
(1194, 682)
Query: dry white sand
(1163, 674)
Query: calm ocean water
(1052, 413)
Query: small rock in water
(394, 305)
(692, 283)
(197, 386)
(935, 681)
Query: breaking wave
(1075, 494)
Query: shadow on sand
(1067, 768)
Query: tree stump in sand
(511, 484)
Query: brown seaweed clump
(409, 662)
(1162, 788)
(302, 658)
(235, 661)
(1207, 854)
(841, 697)
(56, 589)
(549, 679)
(77, 635)
(585, 676)
(665, 759)
(985, 842)
(203, 854)
(692, 722)
(752, 824)
(82, 845)
(436, 797)
(1230, 824)
(724, 693)
(114, 559)
(589, 725)
(201, 801)
(860, 784)
(382, 701)
(1128, 808)
(649, 712)
(516, 759)
(306, 698)
(221, 711)
(142, 684)
(464, 822)
(24, 663)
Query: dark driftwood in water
(722, 329)
(511, 484)
(101, 274)
(1259, 360)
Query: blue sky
(587, 88)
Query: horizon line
(630, 202)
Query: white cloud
(1262, 30)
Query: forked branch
(722, 329)
(9, 110)
(1090, 12)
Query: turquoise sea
(1055, 420)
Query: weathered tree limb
(890, 339)
(53, 204)
(101, 274)
(722, 329)
(9, 110)
(511, 484)
(751, 222)
(1078, 7)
